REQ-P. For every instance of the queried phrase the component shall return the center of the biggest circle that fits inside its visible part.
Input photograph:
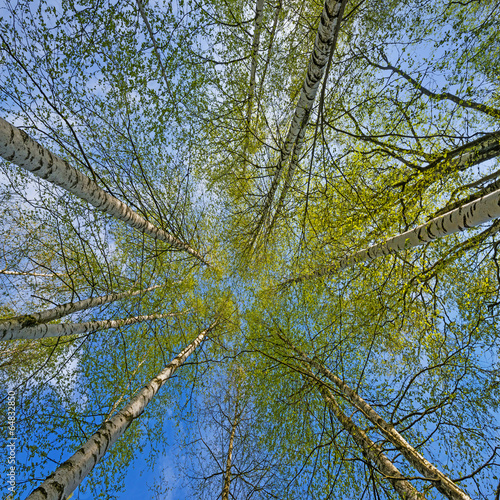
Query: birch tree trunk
(14, 325)
(494, 186)
(441, 482)
(20, 273)
(473, 153)
(68, 476)
(300, 141)
(471, 215)
(63, 329)
(229, 461)
(259, 15)
(374, 453)
(16, 146)
(325, 37)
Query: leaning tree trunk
(16, 146)
(371, 450)
(471, 215)
(20, 273)
(43, 330)
(440, 481)
(68, 476)
(494, 186)
(472, 153)
(13, 325)
(325, 38)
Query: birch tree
(373, 452)
(13, 325)
(63, 329)
(24, 151)
(324, 45)
(442, 483)
(356, 143)
(470, 215)
(69, 475)
(385, 149)
(360, 336)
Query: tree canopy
(271, 224)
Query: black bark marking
(27, 321)
(42, 491)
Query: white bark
(68, 476)
(64, 329)
(16, 146)
(471, 215)
(328, 27)
(229, 461)
(20, 273)
(259, 15)
(494, 186)
(14, 325)
(475, 152)
(300, 139)
(372, 451)
(441, 482)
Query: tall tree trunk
(68, 476)
(325, 37)
(471, 215)
(229, 461)
(13, 325)
(63, 329)
(472, 153)
(259, 15)
(441, 482)
(21, 273)
(371, 450)
(16, 146)
(494, 186)
(298, 146)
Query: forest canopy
(250, 247)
